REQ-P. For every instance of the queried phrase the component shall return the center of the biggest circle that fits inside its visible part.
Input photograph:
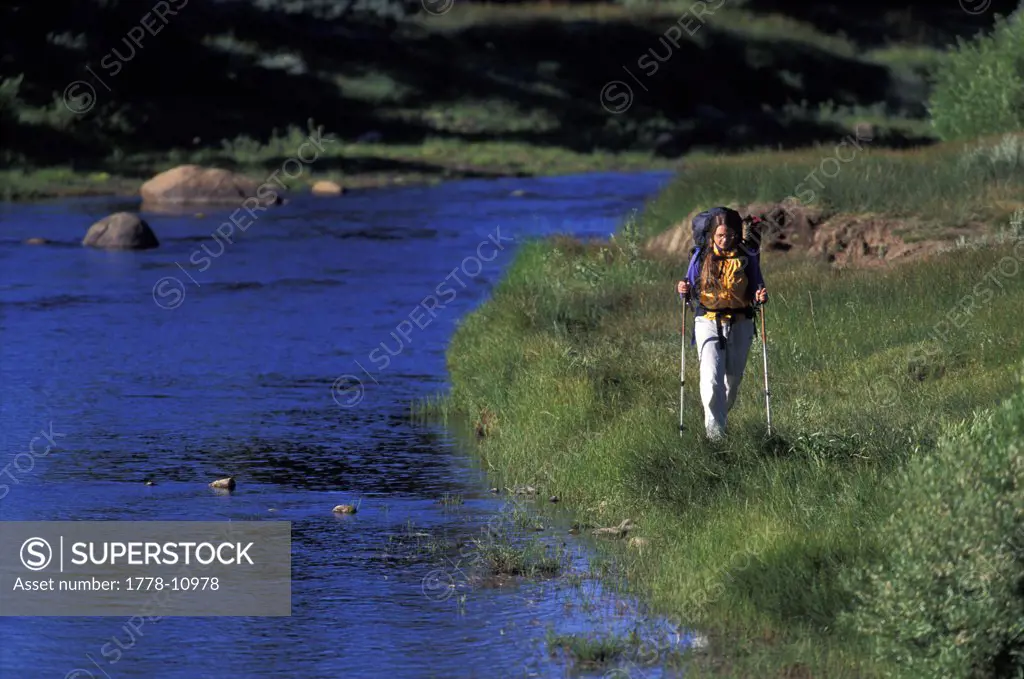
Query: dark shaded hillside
(220, 70)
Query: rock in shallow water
(616, 531)
(327, 188)
(189, 184)
(121, 231)
(344, 509)
(226, 484)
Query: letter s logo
(36, 554)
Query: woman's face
(724, 237)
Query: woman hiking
(724, 281)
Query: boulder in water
(36, 241)
(224, 484)
(345, 509)
(327, 188)
(191, 184)
(121, 231)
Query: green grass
(438, 159)
(63, 181)
(588, 652)
(529, 559)
(451, 500)
(957, 184)
(576, 359)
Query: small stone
(150, 482)
(495, 490)
(36, 241)
(518, 193)
(225, 484)
(617, 531)
(523, 490)
(638, 543)
(345, 509)
(553, 498)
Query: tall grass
(576, 360)
(953, 184)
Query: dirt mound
(842, 240)
(787, 225)
(868, 240)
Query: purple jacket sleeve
(692, 275)
(691, 272)
(756, 280)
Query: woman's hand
(761, 296)
(683, 287)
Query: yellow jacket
(733, 282)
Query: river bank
(769, 545)
(366, 165)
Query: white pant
(721, 370)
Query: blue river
(288, 359)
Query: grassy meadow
(762, 542)
(944, 189)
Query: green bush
(979, 85)
(948, 600)
(10, 101)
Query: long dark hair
(732, 221)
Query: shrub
(997, 162)
(948, 599)
(979, 85)
(10, 101)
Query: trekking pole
(764, 350)
(682, 364)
